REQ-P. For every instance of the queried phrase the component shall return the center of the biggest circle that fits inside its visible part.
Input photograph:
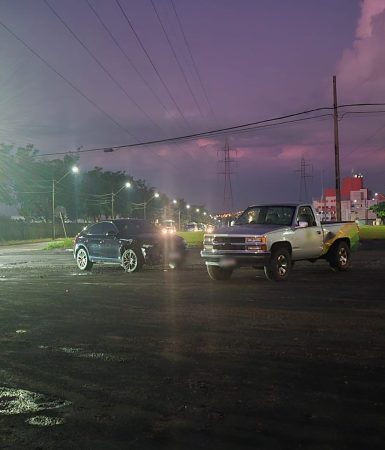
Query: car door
(109, 246)
(307, 242)
(94, 236)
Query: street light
(156, 195)
(74, 170)
(175, 202)
(114, 194)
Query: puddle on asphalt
(21, 331)
(45, 421)
(81, 353)
(20, 401)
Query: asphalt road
(168, 359)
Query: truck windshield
(267, 215)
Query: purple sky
(256, 60)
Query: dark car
(128, 242)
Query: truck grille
(228, 243)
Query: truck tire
(218, 273)
(339, 256)
(279, 266)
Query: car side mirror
(303, 224)
(111, 233)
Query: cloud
(361, 70)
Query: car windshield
(129, 228)
(267, 215)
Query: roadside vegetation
(195, 238)
(60, 243)
(368, 232)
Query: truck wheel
(279, 265)
(218, 273)
(339, 256)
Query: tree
(6, 164)
(379, 209)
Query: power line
(102, 66)
(176, 58)
(192, 59)
(151, 61)
(72, 85)
(126, 55)
(245, 127)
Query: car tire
(82, 260)
(218, 273)
(339, 256)
(279, 266)
(132, 260)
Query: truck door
(308, 241)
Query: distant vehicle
(273, 237)
(128, 242)
(192, 226)
(168, 227)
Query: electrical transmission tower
(226, 159)
(303, 185)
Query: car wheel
(218, 273)
(279, 266)
(132, 260)
(82, 260)
(339, 256)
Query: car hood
(247, 229)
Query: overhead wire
(198, 135)
(151, 62)
(101, 65)
(193, 60)
(176, 57)
(129, 60)
(60, 75)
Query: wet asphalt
(168, 359)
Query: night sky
(230, 62)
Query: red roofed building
(355, 201)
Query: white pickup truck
(273, 237)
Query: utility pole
(336, 152)
(112, 205)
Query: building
(356, 201)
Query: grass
(368, 232)
(193, 238)
(27, 241)
(60, 243)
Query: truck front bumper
(235, 259)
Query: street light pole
(73, 169)
(114, 194)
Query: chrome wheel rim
(282, 265)
(129, 260)
(82, 259)
(343, 256)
